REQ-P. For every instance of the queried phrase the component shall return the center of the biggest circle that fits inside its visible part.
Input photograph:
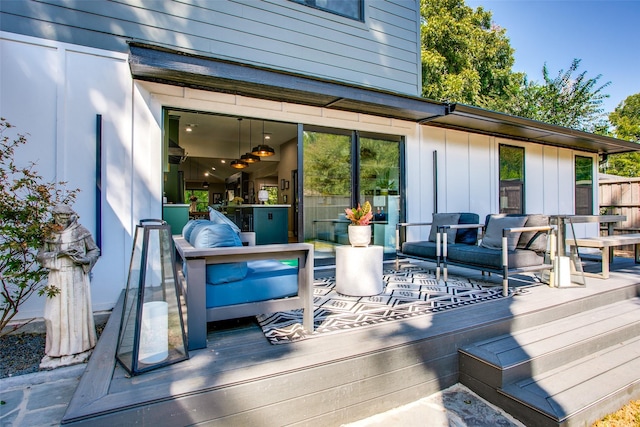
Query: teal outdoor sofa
(223, 279)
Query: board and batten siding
(383, 52)
(468, 176)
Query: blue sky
(605, 34)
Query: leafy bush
(25, 221)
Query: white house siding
(53, 91)
(382, 52)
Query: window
(199, 197)
(511, 179)
(584, 185)
(350, 8)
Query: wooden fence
(621, 196)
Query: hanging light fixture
(238, 163)
(263, 150)
(249, 157)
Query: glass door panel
(327, 189)
(379, 185)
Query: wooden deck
(241, 379)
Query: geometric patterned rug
(409, 292)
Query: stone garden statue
(69, 255)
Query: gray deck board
(328, 380)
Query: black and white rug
(408, 292)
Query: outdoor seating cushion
(205, 235)
(265, 280)
(492, 238)
(217, 217)
(468, 236)
(491, 258)
(191, 225)
(422, 249)
(440, 219)
(534, 240)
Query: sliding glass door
(327, 188)
(341, 170)
(379, 184)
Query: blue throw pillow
(219, 236)
(220, 218)
(190, 226)
(468, 236)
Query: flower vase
(359, 235)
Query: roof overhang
(157, 64)
(474, 119)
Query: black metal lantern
(152, 329)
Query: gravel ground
(21, 353)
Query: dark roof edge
(463, 110)
(169, 66)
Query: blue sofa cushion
(265, 280)
(440, 219)
(492, 238)
(468, 236)
(220, 218)
(491, 258)
(190, 226)
(219, 236)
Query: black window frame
(507, 186)
(583, 191)
(313, 4)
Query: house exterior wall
(53, 91)
(382, 52)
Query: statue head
(63, 214)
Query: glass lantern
(152, 329)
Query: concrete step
(508, 358)
(569, 371)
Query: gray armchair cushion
(420, 249)
(440, 219)
(493, 235)
(491, 258)
(534, 240)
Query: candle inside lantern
(154, 332)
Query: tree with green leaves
(626, 121)
(569, 99)
(25, 221)
(464, 56)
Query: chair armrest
(401, 232)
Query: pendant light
(239, 163)
(249, 157)
(263, 150)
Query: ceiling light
(249, 157)
(263, 150)
(239, 163)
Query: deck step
(563, 370)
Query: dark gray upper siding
(382, 52)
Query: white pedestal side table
(359, 270)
